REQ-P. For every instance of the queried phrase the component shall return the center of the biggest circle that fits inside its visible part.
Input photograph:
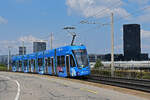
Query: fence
(123, 73)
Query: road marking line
(18, 86)
(18, 93)
(95, 92)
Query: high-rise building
(132, 42)
(21, 50)
(39, 46)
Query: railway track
(136, 84)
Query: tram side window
(20, 63)
(52, 63)
(46, 62)
(62, 61)
(33, 62)
(58, 61)
(14, 63)
(25, 62)
(72, 63)
(29, 62)
(40, 61)
(49, 61)
(17, 64)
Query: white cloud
(118, 47)
(145, 34)
(29, 39)
(4, 44)
(90, 8)
(3, 20)
(14, 44)
(144, 16)
(28, 43)
(147, 47)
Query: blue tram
(32, 63)
(14, 64)
(25, 63)
(68, 61)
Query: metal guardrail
(136, 84)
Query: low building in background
(105, 57)
(92, 57)
(144, 57)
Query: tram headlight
(78, 73)
(82, 66)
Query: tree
(98, 64)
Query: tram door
(34, 66)
(20, 65)
(46, 65)
(52, 65)
(68, 65)
(29, 65)
(17, 65)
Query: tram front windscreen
(81, 57)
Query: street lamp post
(51, 40)
(23, 47)
(8, 59)
(112, 40)
(112, 44)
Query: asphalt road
(19, 86)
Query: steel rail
(135, 84)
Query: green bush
(146, 75)
(101, 72)
(3, 67)
(98, 64)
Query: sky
(35, 20)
